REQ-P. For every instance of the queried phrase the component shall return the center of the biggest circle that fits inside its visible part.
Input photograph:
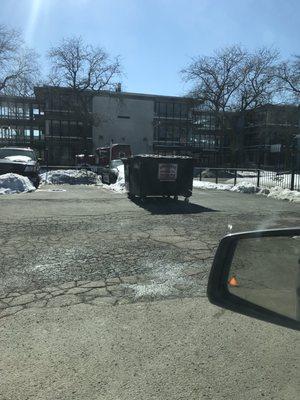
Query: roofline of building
(21, 98)
(110, 93)
(133, 95)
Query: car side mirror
(258, 274)
(39, 159)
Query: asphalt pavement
(104, 298)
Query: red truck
(85, 160)
(103, 157)
(109, 159)
(113, 152)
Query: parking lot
(67, 236)
(104, 298)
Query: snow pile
(14, 183)
(282, 194)
(210, 185)
(119, 186)
(245, 187)
(70, 177)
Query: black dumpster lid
(161, 157)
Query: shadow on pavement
(159, 205)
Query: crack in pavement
(150, 256)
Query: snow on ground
(283, 194)
(210, 185)
(244, 187)
(247, 186)
(71, 177)
(119, 186)
(268, 179)
(14, 183)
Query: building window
(4, 110)
(162, 110)
(170, 110)
(55, 127)
(27, 133)
(80, 128)
(26, 112)
(64, 128)
(73, 128)
(36, 134)
(177, 110)
(184, 110)
(169, 132)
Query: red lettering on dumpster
(167, 172)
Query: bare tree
(81, 67)
(19, 69)
(85, 70)
(258, 80)
(233, 80)
(288, 74)
(215, 79)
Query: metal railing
(260, 177)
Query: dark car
(109, 174)
(20, 160)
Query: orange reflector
(233, 281)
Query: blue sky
(157, 38)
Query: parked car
(21, 161)
(109, 174)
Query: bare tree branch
(288, 74)
(19, 69)
(258, 84)
(85, 70)
(216, 78)
(81, 67)
(233, 79)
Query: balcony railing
(173, 143)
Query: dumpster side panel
(136, 170)
(126, 163)
(167, 177)
(160, 176)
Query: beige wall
(137, 130)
